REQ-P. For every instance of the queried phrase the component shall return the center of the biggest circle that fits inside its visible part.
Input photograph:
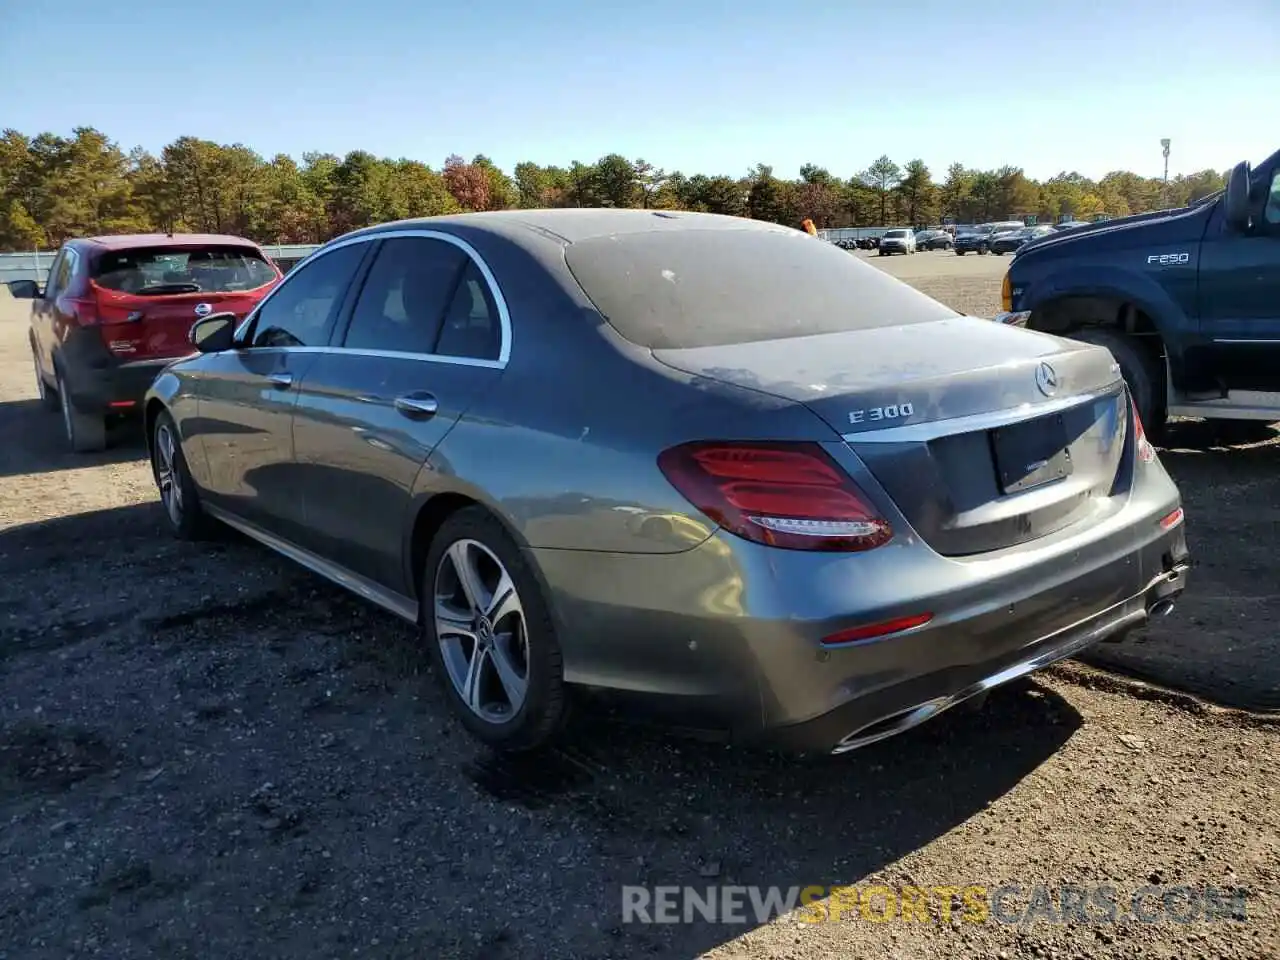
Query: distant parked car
(1070, 224)
(972, 240)
(934, 240)
(1003, 243)
(117, 310)
(897, 241)
(785, 498)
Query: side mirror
(1237, 198)
(214, 333)
(24, 289)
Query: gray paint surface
(561, 440)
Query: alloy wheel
(167, 478)
(480, 626)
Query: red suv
(116, 310)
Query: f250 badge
(1168, 259)
(894, 411)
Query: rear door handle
(280, 380)
(417, 406)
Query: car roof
(572, 224)
(127, 241)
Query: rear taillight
(86, 311)
(790, 495)
(1146, 452)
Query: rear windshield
(155, 271)
(701, 288)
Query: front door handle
(417, 406)
(280, 380)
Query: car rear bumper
(118, 388)
(896, 709)
(727, 637)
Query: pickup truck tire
(1140, 368)
(959, 253)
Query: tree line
(54, 187)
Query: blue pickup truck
(1187, 300)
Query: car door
(1239, 295)
(49, 318)
(244, 415)
(425, 337)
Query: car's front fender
(169, 392)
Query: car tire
(506, 686)
(959, 253)
(86, 432)
(48, 397)
(179, 495)
(1141, 370)
(982, 251)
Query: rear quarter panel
(565, 447)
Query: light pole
(1164, 144)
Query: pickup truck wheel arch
(1141, 368)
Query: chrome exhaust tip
(1161, 608)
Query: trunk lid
(985, 436)
(155, 327)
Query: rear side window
(471, 328)
(403, 302)
(699, 288)
(155, 271)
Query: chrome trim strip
(500, 301)
(389, 600)
(924, 432)
(1243, 342)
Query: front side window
(1272, 211)
(403, 302)
(303, 310)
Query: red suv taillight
(790, 495)
(1146, 452)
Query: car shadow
(671, 812)
(32, 441)
(1218, 644)
(200, 638)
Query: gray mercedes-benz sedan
(725, 472)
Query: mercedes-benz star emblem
(203, 309)
(1047, 379)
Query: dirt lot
(207, 752)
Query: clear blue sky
(698, 86)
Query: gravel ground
(207, 752)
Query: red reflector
(789, 495)
(121, 403)
(1172, 520)
(873, 630)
